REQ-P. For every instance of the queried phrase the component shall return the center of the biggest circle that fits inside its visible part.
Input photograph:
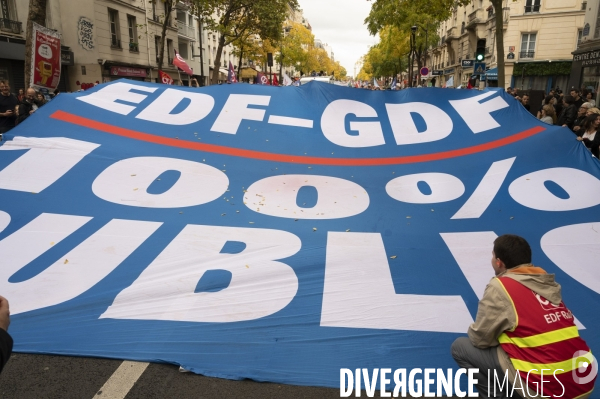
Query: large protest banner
(282, 234)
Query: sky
(340, 23)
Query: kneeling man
(524, 340)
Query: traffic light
(480, 52)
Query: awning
(492, 74)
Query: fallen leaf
(512, 217)
(135, 189)
(347, 229)
(180, 213)
(393, 257)
(314, 229)
(132, 175)
(247, 267)
(408, 217)
(251, 222)
(66, 261)
(223, 214)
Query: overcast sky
(340, 23)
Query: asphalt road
(61, 377)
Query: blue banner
(282, 234)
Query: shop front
(114, 72)
(585, 70)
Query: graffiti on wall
(85, 33)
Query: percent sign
(446, 187)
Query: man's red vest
(545, 337)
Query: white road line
(122, 380)
(288, 121)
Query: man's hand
(8, 112)
(4, 313)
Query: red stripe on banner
(267, 156)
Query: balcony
(526, 54)
(452, 33)
(134, 47)
(6, 25)
(186, 30)
(475, 18)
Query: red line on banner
(267, 156)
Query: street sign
(424, 71)
(479, 68)
(437, 73)
(467, 63)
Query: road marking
(288, 121)
(122, 380)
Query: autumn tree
(234, 18)
(405, 13)
(37, 14)
(293, 47)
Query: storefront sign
(448, 71)
(126, 71)
(45, 58)
(510, 56)
(588, 58)
(67, 58)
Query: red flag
(231, 74)
(275, 81)
(180, 63)
(261, 79)
(165, 78)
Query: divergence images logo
(585, 367)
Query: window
(183, 50)
(115, 34)
(584, 6)
(132, 30)
(528, 45)
(597, 29)
(532, 6)
(157, 46)
(579, 36)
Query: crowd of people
(14, 109)
(576, 111)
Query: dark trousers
(486, 360)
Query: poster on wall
(45, 58)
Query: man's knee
(458, 348)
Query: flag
(450, 82)
(275, 81)
(180, 63)
(286, 80)
(231, 74)
(375, 83)
(165, 78)
(393, 86)
(261, 79)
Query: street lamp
(414, 29)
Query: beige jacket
(496, 314)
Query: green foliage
(543, 69)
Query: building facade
(539, 38)
(105, 40)
(585, 70)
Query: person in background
(578, 100)
(590, 98)
(569, 113)
(28, 106)
(8, 102)
(525, 102)
(41, 100)
(547, 114)
(581, 115)
(21, 95)
(588, 134)
(6, 341)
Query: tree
(37, 14)
(236, 18)
(169, 5)
(399, 12)
(294, 45)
